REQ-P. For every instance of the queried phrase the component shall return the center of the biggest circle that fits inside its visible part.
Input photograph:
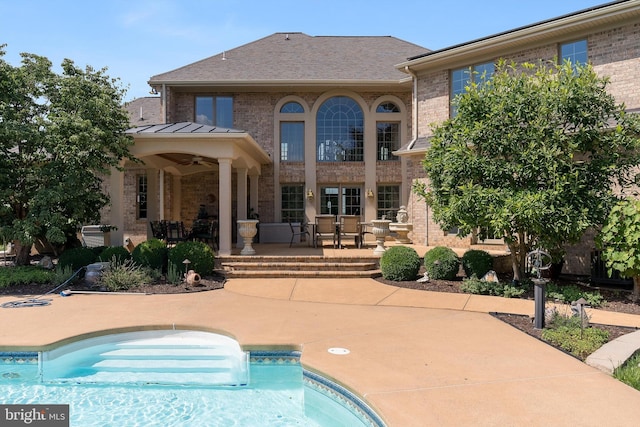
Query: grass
(629, 371)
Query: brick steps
(299, 266)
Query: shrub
(441, 263)
(476, 262)
(568, 334)
(400, 263)
(199, 254)
(571, 293)
(77, 258)
(123, 275)
(24, 275)
(476, 286)
(119, 252)
(151, 253)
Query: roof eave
(279, 83)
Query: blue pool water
(275, 391)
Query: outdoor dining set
(334, 228)
(172, 232)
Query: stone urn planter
(248, 228)
(380, 231)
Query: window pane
(351, 201)
(204, 110)
(293, 203)
(387, 107)
(340, 131)
(142, 197)
(292, 107)
(483, 72)
(388, 201)
(224, 112)
(329, 200)
(575, 52)
(388, 135)
(292, 141)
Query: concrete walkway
(417, 358)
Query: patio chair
(175, 232)
(325, 228)
(158, 229)
(207, 232)
(298, 230)
(350, 227)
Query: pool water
(279, 393)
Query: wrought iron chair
(298, 230)
(176, 232)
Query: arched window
(292, 107)
(340, 131)
(387, 107)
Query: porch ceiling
(186, 148)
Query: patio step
(273, 267)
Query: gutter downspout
(414, 132)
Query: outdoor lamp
(370, 193)
(309, 194)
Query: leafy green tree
(531, 156)
(620, 241)
(59, 136)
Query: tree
(620, 241)
(59, 136)
(531, 156)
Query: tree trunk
(636, 289)
(23, 253)
(515, 262)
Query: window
(292, 141)
(293, 203)
(463, 77)
(339, 132)
(388, 135)
(341, 200)
(387, 107)
(141, 197)
(388, 201)
(214, 111)
(574, 52)
(291, 107)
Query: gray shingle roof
(284, 57)
(144, 111)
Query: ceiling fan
(197, 161)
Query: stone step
(325, 274)
(300, 266)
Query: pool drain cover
(338, 350)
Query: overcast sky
(136, 39)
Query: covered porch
(221, 165)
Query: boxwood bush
(400, 263)
(199, 254)
(77, 258)
(120, 253)
(476, 262)
(151, 253)
(441, 263)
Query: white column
(161, 196)
(116, 194)
(224, 203)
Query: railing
(600, 274)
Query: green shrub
(567, 333)
(151, 253)
(200, 255)
(24, 275)
(476, 286)
(123, 275)
(441, 263)
(400, 263)
(76, 258)
(571, 293)
(97, 250)
(476, 262)
(119, 252)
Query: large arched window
(340, 131)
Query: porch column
(152, 198)
(224, 204)
(116, 194)
(176, 197)
(253, 192)
(241, 202)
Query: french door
(341, 200)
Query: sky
(137, 39)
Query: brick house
(291, 125)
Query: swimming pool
(275, 391)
